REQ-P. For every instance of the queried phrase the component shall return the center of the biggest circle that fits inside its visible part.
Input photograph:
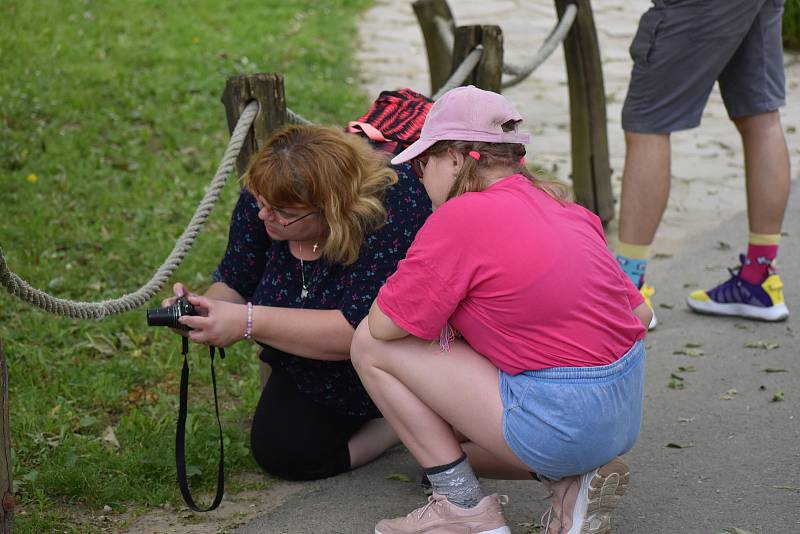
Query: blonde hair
(493, 154)
(338, 174)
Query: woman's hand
(219, 323)
(179, 290)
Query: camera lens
(164, 317)
(169, 315)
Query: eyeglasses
(282, 217)
(418, 164)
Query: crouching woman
(539, 365)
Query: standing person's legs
(767, 179)
(645, 187)
(645, 191)
(669, 87)
(753, 88)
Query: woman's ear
(456, 158)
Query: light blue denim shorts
(569, 420)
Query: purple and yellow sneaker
(737, 297)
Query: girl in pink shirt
(536, 368)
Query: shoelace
(431, 501)
(548, 514)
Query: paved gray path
(740, 465)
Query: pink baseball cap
(466, 114)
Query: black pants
(295, 438)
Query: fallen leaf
(729, 394)
(140, 393)
(86, 421)
(685, 419)
(689, 352)
(722, 245)
(675, 382)
(735, 530)
(110, 437)
(792, 488)
(693, 344)
(766, 345)
(672, 445)
(661, 256)
(773, 370)
(778, 396)
(665, 305)
(686, 369)
(102, 344)
(399, 477)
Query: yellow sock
(764, 239)
(635, 252)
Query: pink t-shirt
(528, 282)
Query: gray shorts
(683, 46)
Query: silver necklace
(304, 291)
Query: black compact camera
(169, 315)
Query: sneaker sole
(778, 312)
(606, 489)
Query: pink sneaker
(440, 516)
(585, 502)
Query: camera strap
(180, 433)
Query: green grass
(110, 128)
(791, 24)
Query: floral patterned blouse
(266, 274)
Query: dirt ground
(235, 510)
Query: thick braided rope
(552, 42)
(461, 73)
(294, 118)
(519, 72)
(99, 310)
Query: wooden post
(591, 170)
(267, 89)
(6, 484)
(438, 46)
(488, 73)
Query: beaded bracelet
(248, 333)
